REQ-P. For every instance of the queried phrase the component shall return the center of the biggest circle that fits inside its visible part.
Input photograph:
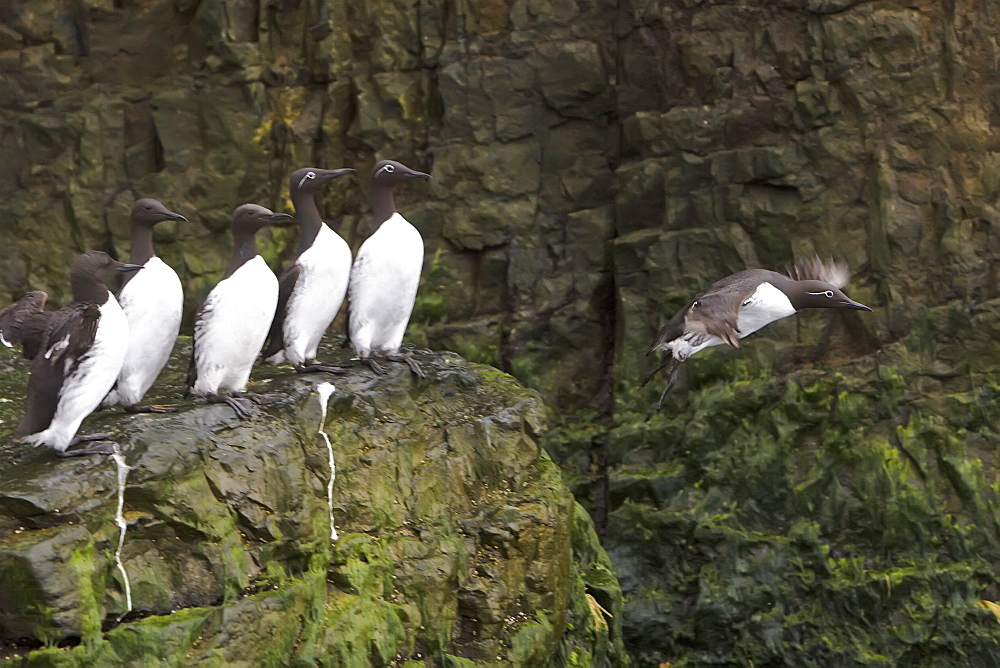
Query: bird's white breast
(152, 300)
(229, 335)
(763, 307)
(384, 284)
(318, 293)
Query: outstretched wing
(286, 285)
(24, 323)
(717, 315)
(670, 331)
(710, 313)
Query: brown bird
(76, 355)
(738, 305)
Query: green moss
(84, 564)
(829, 517)
(531, 644)
(162, 639)
(450, 661)
(443, 500)
(51, 657)
(359, 629)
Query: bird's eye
(695, 304)
(148, 208)
(390, 168)
(311, 175)
(829, 294)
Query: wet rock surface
(456, 536)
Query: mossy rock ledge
(457, 542)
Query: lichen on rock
(456, 534)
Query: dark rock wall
(206, 105)
(595, 163)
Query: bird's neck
(244, 251)
(310, 222)
(88, 289)
(787, 286)
(383, 204)
(142, 244)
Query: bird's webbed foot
(95, 447)
(152, 408)
(671, 379)
(649, 376)
(314, 367)
(243, 407)
(409, 361)
(373, 365)
(263, 399)
(87, 438)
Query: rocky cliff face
(456, 539)
(595, 164)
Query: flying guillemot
(76, 352)
(386, 274)
(312, 288)
(740, 304)
(152, 300)
(232, 323)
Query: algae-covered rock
(454, 533)
(838, 515)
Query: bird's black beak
(412, 174)
(857, 306)
(331, 174)
(174, 216)
(125, 268)
(280, 219)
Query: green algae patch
(456, 536)
(161, 636)
(360, 629)
(831, 516)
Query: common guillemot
(152, 300)
(231, 325)
(386, 274)
(312, 288)
(76, 352)
(740, 304)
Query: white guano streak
(324, 390)
(123, 469)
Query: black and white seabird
(76, 352)
(385, 274)
(738, 305)
(152, 300)
(312, 288)
(232, 323)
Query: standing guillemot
(312, 288)
(230, 327)
(385, 274)
(76, 352)
(152, 301)
(740, 304)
